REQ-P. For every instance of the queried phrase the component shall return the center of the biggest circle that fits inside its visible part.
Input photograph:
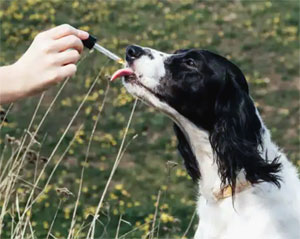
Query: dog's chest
(252, 216)
(220, 221)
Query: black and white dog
(247, 187)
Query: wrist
(18, 84)
(9, 88)
(21, 79)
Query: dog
(247, 187)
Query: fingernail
(83, 34)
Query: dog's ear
(236, 137)
(186, 152)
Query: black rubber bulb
(89, 42)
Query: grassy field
(51, 166)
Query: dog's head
(188, 81)
(212, 93)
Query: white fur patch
(150, 70)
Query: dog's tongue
(121, 72)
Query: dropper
(91, 42)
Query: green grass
(261, 37)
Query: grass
(66, 168)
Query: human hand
(51, 57)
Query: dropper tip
(121, 61)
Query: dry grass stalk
(91, 231)
(72, 230)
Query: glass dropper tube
(108, 53)
(91, 43)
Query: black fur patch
(236, 138)
(213, 94)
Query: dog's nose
(133, 52)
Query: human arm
(51, 57)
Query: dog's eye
(190, 62)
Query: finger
(67, 71)
(68, 42)
(67, 57)
(82, 34)
(61, 31)
(66, 30)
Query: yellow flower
(138, 223)
(164, 206)
(77, 180)
(94, 117)
(268, 4)
(88, 110)
(79, 140)
(146, 227)
(101, 92)
(84, 164)
(125, 193)
(115, 211)
(291, 30)
(18, 16)
(119, 186)
(165, 218)
(75, 4)
(67, 211)
(20, 190)
(220, 33)
(28, 213)
(276, 20)
(48, 188)
(113, 196)
(66, 102)
(93, 97)
(149, 218)
(45, 225)
(89, 211)
(42, 198)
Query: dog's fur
(223, 142)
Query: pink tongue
(121, 72)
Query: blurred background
(261, 37)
